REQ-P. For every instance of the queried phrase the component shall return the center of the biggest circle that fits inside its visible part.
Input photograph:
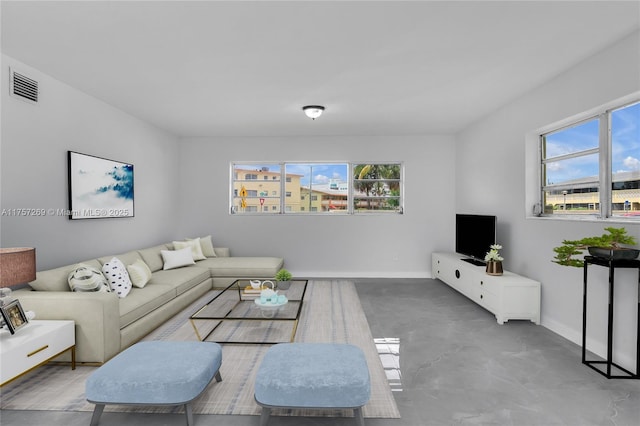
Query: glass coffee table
(233, 316)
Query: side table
(35, 344)
(608, 363)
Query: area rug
(331, 313)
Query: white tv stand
(508, 296)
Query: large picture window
(592, 167)
(316, 188)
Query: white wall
(326, 245)
(490, 161)
(34, 144)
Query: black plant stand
(608, 363)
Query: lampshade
(313, 111)
(17, 266)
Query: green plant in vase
(283, 277)
(606, 245)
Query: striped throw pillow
(87, 278)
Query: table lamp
(17, 266)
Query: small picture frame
(14, 316)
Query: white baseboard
(561, 329)
(595, 346)
(367, 274)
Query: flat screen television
(474, 234)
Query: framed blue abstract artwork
(99, 188)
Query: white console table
(33, 345)
(508, 296)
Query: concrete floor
(458, 367)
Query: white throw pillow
(118, 277)
(177, 258)
(139, 273)
(207, 246)
(196, 250)
(87, 278)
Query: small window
(377, 188)
(256, 189)
(570, 168)
(625, 161)
(314, 186)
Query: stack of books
(250, 293)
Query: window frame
(285, 209)
(604, 150)
(355, 197)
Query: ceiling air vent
(23, 87)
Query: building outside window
(255, 188)
(592, 167)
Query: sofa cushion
(141, 301)
(152, 257)
(196, 249)
(207, 246)
(87, 278)
(182, 279)
(177, 258)
(118, 277)
(57, 279)
(222, 252)
(139, 273)
(243, 267)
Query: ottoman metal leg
(218, 376)
(264, 417)
(97, 412)
(359, 416)
(189, 413)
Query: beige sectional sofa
(106, 324)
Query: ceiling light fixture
(313, 111)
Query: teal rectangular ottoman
(155, 373)
(313, 375)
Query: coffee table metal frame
(246, 304)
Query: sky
(625, 146)
(322, 173)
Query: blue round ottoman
(313, 375)
(155, 373)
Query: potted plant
(609, 246)
(283, 277)
(494, 260)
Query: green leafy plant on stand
(613, 240)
